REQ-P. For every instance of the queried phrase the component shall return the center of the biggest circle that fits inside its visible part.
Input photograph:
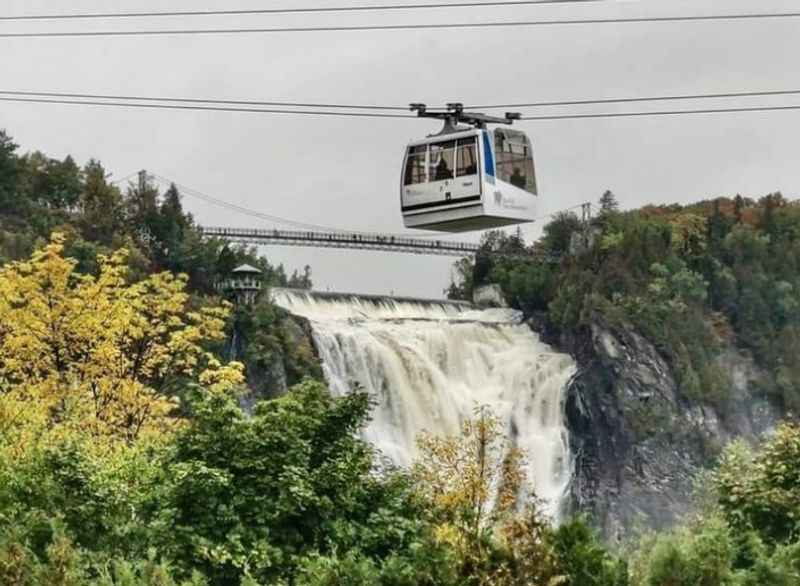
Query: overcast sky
(345, 172)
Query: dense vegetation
(40, 195)
(692, 279)
(127, 459)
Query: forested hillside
(40, 195)
(691, 279)
(128, 459)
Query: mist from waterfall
(430, 364)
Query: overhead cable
(384, 115)
(635, 99)
(374, 107)
(203, 101)
(206, 108)
(300, 10)
(663, 113)
(399, 27)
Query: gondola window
(467, 157)
(415, 165)
(440, 160)
(514, 157)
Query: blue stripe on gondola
(488, 157)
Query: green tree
(583, 557)
(608, 203)
(738, 207)
(762, 490)
(142, 212)
(101, 206)
(169, 230)
(697, 554)
(770, 204)
(718, 225)
(301, 281)
(267, 495)
(558, 232)
(52, 184)
(8, 173)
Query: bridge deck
(366, 241)
(343, 240)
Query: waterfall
(428, 364)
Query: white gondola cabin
(467, 179)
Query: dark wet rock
(270, 373)
(638, 443)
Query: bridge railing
(364, 241)
(354, 239)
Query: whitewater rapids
(430, 364)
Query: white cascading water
(430, 364)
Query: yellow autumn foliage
(474, 478)
(689, 232)
(96, 354)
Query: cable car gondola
(468, 177)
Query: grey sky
(345, 172)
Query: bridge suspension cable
(184, 190)
(403, 27)
(124, 178)
(278, 219)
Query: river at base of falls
(428, 365)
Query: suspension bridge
(368, 241)
(317, 237)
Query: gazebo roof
(245, 268)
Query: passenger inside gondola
(443, 171)
(517, 179)
(441, 160)
(466, 158)
(514, 159)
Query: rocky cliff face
(277, 357)
(638, 443)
